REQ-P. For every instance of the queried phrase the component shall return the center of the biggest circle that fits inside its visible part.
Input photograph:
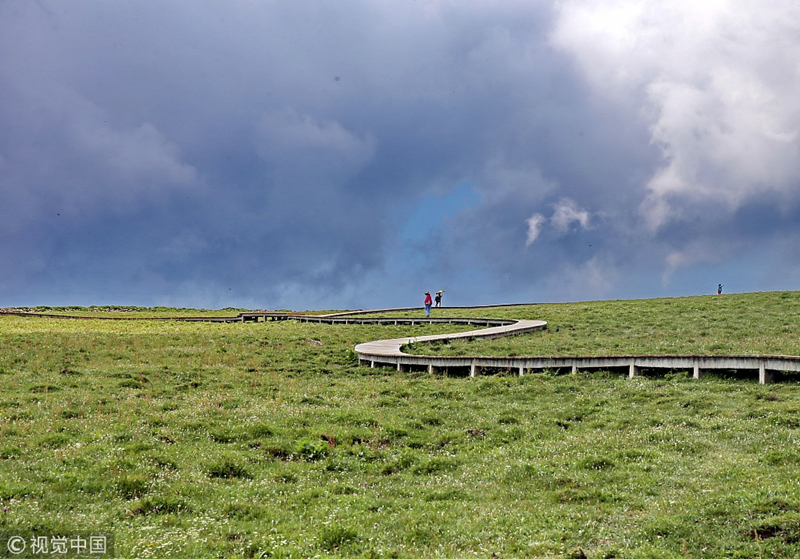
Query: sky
(312, 154)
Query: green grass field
(748, 324)
(268, 440)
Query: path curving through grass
(390, 352)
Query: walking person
(438, 298)
(719, 289)
(428, 303)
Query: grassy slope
(756, 323)
(218, 440)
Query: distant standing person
(438, 298)
(428, 303)
(719, 289)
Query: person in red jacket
(428, 303)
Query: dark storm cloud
(271, 153)
(693, 168)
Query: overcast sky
(355, 153)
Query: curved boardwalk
(390, 352)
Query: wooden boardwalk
(390, 352)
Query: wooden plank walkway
(390, 352)
(377, 350)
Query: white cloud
(566, 213)
(535, 223)
(716, 80)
